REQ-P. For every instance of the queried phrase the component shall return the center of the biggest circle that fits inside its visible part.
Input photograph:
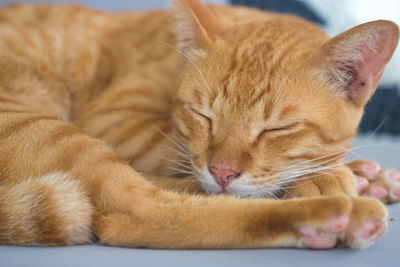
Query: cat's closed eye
(199, 114)
(277, 129)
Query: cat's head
(264, 102)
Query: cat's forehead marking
(287, 111)
(268, 110)
(198, 97)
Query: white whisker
(184, 167)
(182, 154)
(172, 140)
(376, 130)
(179, 170)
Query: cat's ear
(354, 60)
(197, 25)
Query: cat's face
(254, 117)
(256, 112)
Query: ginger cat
(254, 104)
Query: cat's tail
(51, 210)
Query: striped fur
(90, 102)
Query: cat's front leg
(223, 222)
(339, 179)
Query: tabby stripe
(181, 133)
(15, 48)
(146, 146)
(15, 111)
(101, 134)
(212, 96)
(9, 100)
(28, 42)
(280, 58)
(287, 110)
(327, 140)
(225, 91)
(66, 40)
(269, 107)
(123, 93)
(257, 98)
(81, 150)
(133, 108)
(284, 52)
(20, 125)
(225, 81)
(63, 132)
(198, 98)
(133, 129)
(47, 42)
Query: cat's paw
(373, 181)
(367, 222)
(357, 229)
(325, 236)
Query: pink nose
(224, 175)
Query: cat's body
(121, 78)
(128, 60)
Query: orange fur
(85, 96)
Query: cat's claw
(373, 181)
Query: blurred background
(380, 128)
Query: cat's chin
(215, 189)
(248, 193)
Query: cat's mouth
(241, 187)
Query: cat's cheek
(182, 128)
(207, 182)
(209, 187)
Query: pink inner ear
(358, 58)
(367, 76)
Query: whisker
(376, 130)
(181, 160)
(325, 156)
(182, 148)
(178, 163)
(278, 180)
(179, 170)
(182, 154)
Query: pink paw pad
(312, 238)
(338, 224)
(362, 183)
(371, 169)
(396, 189)
(372, 228)
(394, 176)
(378, 192)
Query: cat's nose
(223, 175)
